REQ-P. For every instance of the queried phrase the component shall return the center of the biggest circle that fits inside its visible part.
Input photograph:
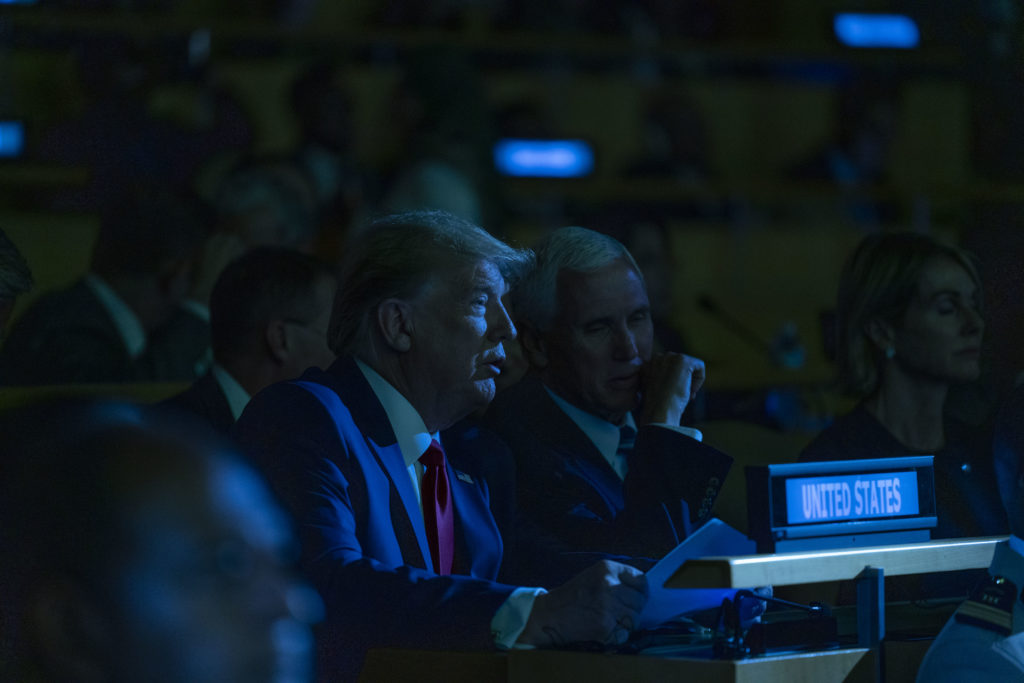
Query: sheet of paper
(715, 538)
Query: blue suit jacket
(362, 537)
(963, 651)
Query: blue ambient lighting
(876, 30)
(543, 158)
(12, 139)
(852, 496)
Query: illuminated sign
(543, 158)
(857, 496)
(842, 503)
(12, 139)
(876, 30)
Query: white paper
(715, 538)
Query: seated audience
(401, 544)
(138, 315)
(602, 463)
(910, 327)
(268, 202)
(145, 551)
(983, 639)
(15, 279)
(269, 312)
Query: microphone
(785, 349)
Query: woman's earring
(890, 352)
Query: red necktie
(437, 508)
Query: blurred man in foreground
(984, 640)
(145, 551)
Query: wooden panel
(782, 569)
(528, 666)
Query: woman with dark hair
(910, 327)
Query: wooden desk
(787, 569)
(531, 666)
(780, 569)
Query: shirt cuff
(201, 311)
(688, 431)
(510, 619)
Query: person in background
(139, 314)
(602, 462)
(401, 543)
(983, 640)
(15, 279)
(910, 327)
(138, 547)
(269, 312)
(268, 201)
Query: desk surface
(529, 666)
(785, 569)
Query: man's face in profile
(460, 325)
(200, 593)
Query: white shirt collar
(128, 325)
(602, 433)
(411, 432)
(237, 396)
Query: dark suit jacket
(966, 492)
(567, 488)
(363, 541)
(205, 399)
(67, 337)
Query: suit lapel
(559, 431)
(348, 386)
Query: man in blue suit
(984, 640)
(602, 462)
(401, 545)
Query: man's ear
(276, 336)
(881, 334)
(394, 322)
(70, 632)
(534, 348)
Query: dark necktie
(438, 516)
(627, 437)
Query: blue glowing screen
(851, 497)
(543, 158)
(876, 30)
(12, 138)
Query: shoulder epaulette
(990, 605)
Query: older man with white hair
(602, 461)
(400, 543)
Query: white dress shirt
(128, 325)
(413, 439)
(236, 395)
